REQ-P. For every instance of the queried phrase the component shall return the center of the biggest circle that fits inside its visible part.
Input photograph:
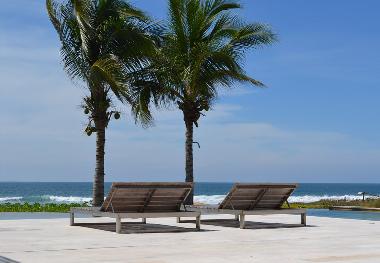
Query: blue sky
(318, 120)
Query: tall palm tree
(202, 50)
(106, 45)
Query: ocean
(209, 193)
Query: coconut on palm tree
(106, 45)
(202, 51)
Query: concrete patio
(277, 238)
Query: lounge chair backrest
(257, 196)
(146, 197)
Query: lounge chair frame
(139, 200)
(261, 203)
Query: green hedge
(64, 208)
(36, 207)
(324, 204)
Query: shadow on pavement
(7, 260)
(138, 228)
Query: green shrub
(37, 207)
(325, 204)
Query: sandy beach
(164, 241)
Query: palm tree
(203, 50)
(106, 45)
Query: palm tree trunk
(98, 186)
(189, 159)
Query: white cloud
(239, 152)
(43, 140)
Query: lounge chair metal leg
(242, 221)
(118, 224)
(143, 220)
(178, 220)
(303, 219)
(237, 218)
(71, 218)
(198, 222)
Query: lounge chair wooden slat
(139, 206)
(238, 201)
(155, 203)
(278, 192)
(154, 198)
(271, 197)
(130, 199)
(243, 197)
(238, 195)
(166, 198)
(141, 185)
(161, 209)
(272, 205)
(248, 191)
(128, 203)
(277, 201)
(266, 207)
(260, 186)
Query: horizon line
(194, 182)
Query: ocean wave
(209, 199)
(216, 199)
(70, 199)
(204, 199)
(316, 198)
(10, 199)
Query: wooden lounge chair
(254, 199)
(142, 200)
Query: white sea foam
(315, 198)
(10, 199)
(204, 199)
(216, 199)
(209, 199)
(70, 199)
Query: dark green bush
(325, 204)
(36, 207)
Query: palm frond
(215, 7)
(177, 26)
(106, 43)
(253, 36)
(68, 31)
(203, 49)
(110, 71)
